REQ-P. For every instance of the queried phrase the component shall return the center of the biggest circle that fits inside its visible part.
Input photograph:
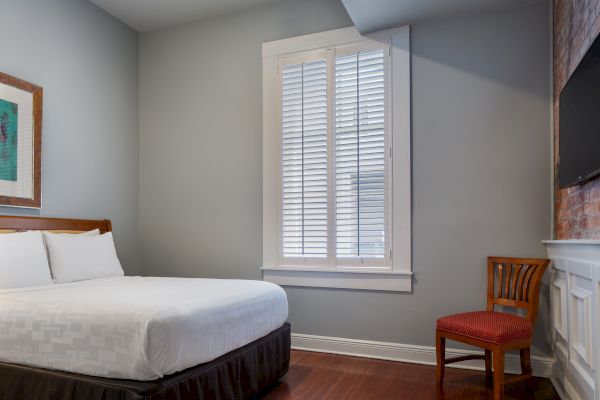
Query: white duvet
(133, 327)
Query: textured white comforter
(133, 327)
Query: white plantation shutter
(360, 154)
(304, 160)
(334, 199)
(336, 168)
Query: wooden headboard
(15, 223)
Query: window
(336, 168)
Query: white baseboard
(570, 391)
(408, 353)
(558, 386)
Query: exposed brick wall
(576, 25)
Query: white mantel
(573, 241)
(575, 308)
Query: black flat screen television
(579, 122)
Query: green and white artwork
(9, 117)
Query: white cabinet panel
(596, 326)
(558, 291)
(580, 317)
(574, 288)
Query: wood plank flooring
(319, 376)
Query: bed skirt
(240, 374)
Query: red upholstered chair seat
(489, 326)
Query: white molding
(401, 167)
(311, 41)
(570, 392)
(408, 353)
(270, 176)
(352, 270)
(574, 250)
(386, 281)
(558, 293)
(558, 386)
(573, 241)
(550, 38)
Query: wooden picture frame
(21, 104)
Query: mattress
(138, 328)
(240, 374)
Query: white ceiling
(374, 15)
(145, 15)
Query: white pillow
(79, 257)
(93, 232)
(23, 260)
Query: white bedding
(133, 327)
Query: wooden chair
(512, 282)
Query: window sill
(341, 278)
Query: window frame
(395, 272)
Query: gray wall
(481, 167)
(481, 177)
(86, 61)
(201, 137)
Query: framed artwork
(20, 143)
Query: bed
(139, 337)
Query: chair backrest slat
(521, 282)
(500, 275)
(508, 267)
(527, 283)
(515, 282)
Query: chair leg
(440, 351)
(526, 367)
(488, 365)
(498, 374)
(525, 361)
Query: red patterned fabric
(490, 326)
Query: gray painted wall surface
(201, 137)
(87, 63)
(481, 160)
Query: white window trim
(399, 276)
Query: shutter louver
(304, 137)
(360, 153)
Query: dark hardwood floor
(322, 376)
